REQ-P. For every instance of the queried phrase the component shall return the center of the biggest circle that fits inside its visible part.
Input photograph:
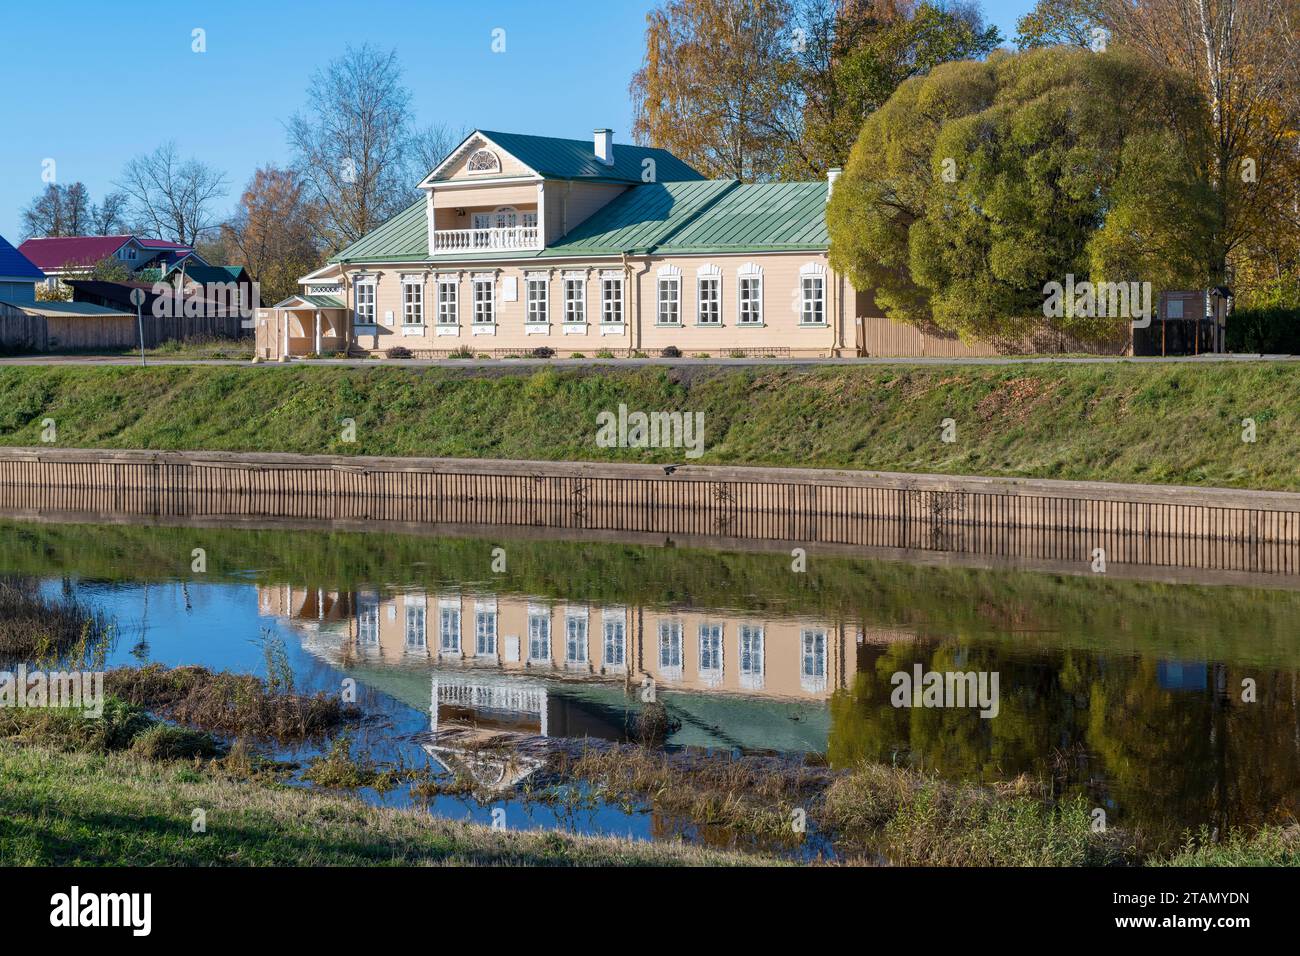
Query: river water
(1170, 706)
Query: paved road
(92, 360)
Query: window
(575, 300)
(670, 649)
(506, 217)
(412, 302)
(416, 639)
(485, 306)
(750, 295)
(611, 300)
(670, 300)
(812, 664)
(709, 298)
(485, 631)
(751, 657)
(539, 634)
(539, 289)
(483, 161)
(575, 637)
(812, 286)
(711, 653)
(448, 301)
(615, 643)
(368, 624)
(365, 303)
(449, 627)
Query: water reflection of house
(717, 651)
(567, 669)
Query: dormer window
(483, 161)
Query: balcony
(511, 238)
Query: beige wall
(569, 204)
(777, 667)
(780, 331)
(509, 165)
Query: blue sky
(90, 86)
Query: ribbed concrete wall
(1172, 527)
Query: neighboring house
(67, 257)
(19, 276)
(521, 242)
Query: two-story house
(522, 242)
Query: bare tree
(351, 149)
(430, 146)
(68, 211)
(170, 197)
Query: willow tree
(975, 186)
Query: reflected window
(615, 643)
(539, 635)
(751, 656)
(368, 624)
(670, 650)
(415, 636)
(575, 638)
(449, 629)
(485, 632)
(812, 668)
(711, 653)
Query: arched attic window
(483, 161)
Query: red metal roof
(71, 250)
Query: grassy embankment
(1178, 423)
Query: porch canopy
(311, 324)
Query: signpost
(137, 299)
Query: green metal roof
(404, 238)
(315, 301)
(759, 217)
(555, 158)
(665, 218)
(77, 309)
(641, 218)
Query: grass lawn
(60, 809)
(1175, 423)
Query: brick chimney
(605, 146)
(832, 175)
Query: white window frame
(813, 645)
(751, 657)
(480, 282)
(613, 634)
(495, 166)
(449, 638)
(713, 636)
(812, 277)
(612, 282)
(710, 277)
(485, 630)
(413, 302)
(364, 306)
(575, 305)
(416, 625)
(539, 318)
(449, 302)
(670, 279)
(749, 307)
(671, 644)
(539, 634)
(577, 636)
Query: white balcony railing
(487, 240)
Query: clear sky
(90, 84)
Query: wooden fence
(1062, 522)
(882, 337)
(21, 331)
